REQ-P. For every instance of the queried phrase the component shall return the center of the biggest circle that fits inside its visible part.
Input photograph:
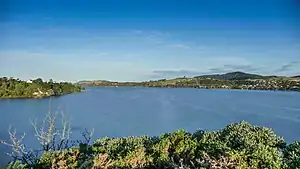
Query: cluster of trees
(15, 88)
(239, 145)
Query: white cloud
(154, 39)
(161, 38)
(137, 32)
(27, 65)
(180, 46)
(288, 67)
(22, 54)
(173, 73)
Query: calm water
(118, 112)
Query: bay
(125, 111)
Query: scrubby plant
(292, 156)
(237, 146)
(136, 159)
(17, 165)
(260, 146)
(102, 161)
(55, 144)
(221, 163)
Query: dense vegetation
(15, 88)
(235, 76)
(237, 146)
(234, 80)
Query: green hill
(235, 76)
(233, 80)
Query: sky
(137, 40)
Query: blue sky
(134, 40)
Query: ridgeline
(233, 80)
(15, 88)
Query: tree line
(16, 88)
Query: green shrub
(237, 146)
(119, 147)
(17, 165)
(292, 155)
(260, 146)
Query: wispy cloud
(62, 68)
(216, 70)
(152, 36)
(173, 73)
(156, 74)
(180, 46)
(285, 69)
(245, 68)
(161, 38)
(234, 67)
(149, 33)
(137, 32)
(154, 39)
(21, 54)
(288, 66)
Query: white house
(29, 81)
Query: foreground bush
(237, 146)
(292, 155)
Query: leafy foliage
(15, 88)
(237, 146)
(292, 155)
(17, 165)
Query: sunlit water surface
(118, 112)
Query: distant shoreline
(192, 88)
(41, 97)
(234, 80)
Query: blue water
(118, 112)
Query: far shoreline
(36, 98)
(225, 89)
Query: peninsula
(233, 80)
(15, 88)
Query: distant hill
(227, 76)
(233, 80)
(235, 76)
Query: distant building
(29, 81)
